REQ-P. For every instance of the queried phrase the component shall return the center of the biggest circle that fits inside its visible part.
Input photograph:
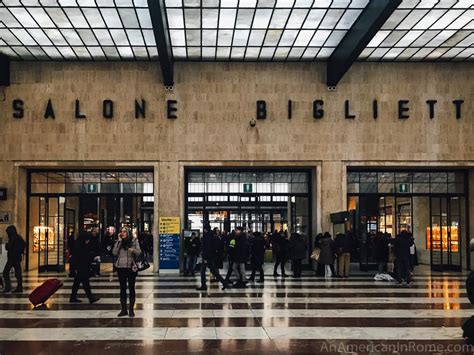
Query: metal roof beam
(4, 70)
(358, 37)
(163, 43)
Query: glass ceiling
(231, 30)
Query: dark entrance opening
(61, 203)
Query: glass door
(445, 233)
(48, 234)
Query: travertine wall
(215, 104)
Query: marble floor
(310, 315)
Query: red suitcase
(41, 294)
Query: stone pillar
(471, 214)
(8, 180)
(168, 197)
(333, 192)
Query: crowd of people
(239, 249)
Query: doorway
(444, 233)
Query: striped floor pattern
(310, 315)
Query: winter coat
(401, 246)
(208, 247)
(258, 251)
(381, 248)
(126, 258)
(15, 248)
(193, 246)
(297, 247)
(327, 251)
(344, 244)
(220, 250)
(82, 255)
(241, 249)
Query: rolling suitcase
(41, 294)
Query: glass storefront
(259, 200)
(62, 203)
(429, 204)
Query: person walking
(193, 246)
(83, 261)
(297, 253)
(344, 246)
(209, 258)
(126, 249)
(15, 249)
(230, 255)
(257, 257)
(326, 257)
(240, 257)
(381, 251)
(95, 251)
(401, 246)
(70, 249)
(279, 249)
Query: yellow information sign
(169, 225)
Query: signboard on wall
(5, 217)
(169, 228)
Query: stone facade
(215, 102)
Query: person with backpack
(126, 249)
(15, 249)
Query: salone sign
(140, 108)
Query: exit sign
(91, 188)
(404, 188)
(247, 188)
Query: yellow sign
(169, 225)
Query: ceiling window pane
(175, 18)
(94, 18)
(111, 17)
(76, 18)
(129, 18)
(192, 18)
(227, 18)
(262, 18)
(135, 37)
(297, 18)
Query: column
(333, 192)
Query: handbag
(141, 263)
(316, 254)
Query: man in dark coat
(401, 246)
(257, 256)
(240, 257)
(192, 248)
(83, 257)
(230, 254)
(209, 257)
(328, 252)
(15, 250)
(279, 248)
(70, 248)
(297, 250)
(381, 251)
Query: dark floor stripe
(231, 322)
(252, 293)
(218, 306)
(115, 285)
(232, 346)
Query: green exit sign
(404, 188)
(91, 188)
(247, 188)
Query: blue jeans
(191, 263)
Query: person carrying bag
(127, 250)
